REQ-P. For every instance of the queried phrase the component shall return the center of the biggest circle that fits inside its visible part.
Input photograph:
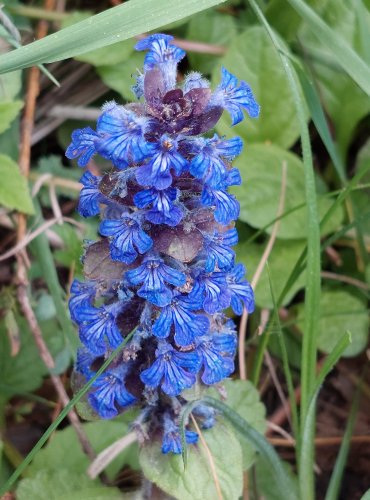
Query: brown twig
(345, 279)
(21, 274)
(320, 441)
(258, 272)
(210, 458)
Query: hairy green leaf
(196, 481)
(252, 58)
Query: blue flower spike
(165, 264)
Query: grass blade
(281, 478)
(308, 428)
(41, 250)
(348, 59)
(111, 26)
(6, 487)
(340, 463)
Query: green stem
(36, 13)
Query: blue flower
(110, 392)
(90, 196)
(163, 54)
(206, 414)
(163, 210)
(98, 327)
(127, 239)
(154, 273)
(212, 289)
(172, 439)
(84, 361)
(82, 296)
(208, 163)
(218, 251)
(187, 324)
(234, 98)
(83, 145)
(164, 157)
(174, 371)
(226, 206)
(216, 364)
(122, 135)
(241, 291)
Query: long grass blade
(111, 26)
(61, 417)
(346, 57)
(41, 250)
(340, 463)
(308, 429)
(280, 476)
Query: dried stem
(21, 278)
(320, 441)
(210, 458)
(257, 274)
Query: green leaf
(280, 478)
(14, 192)
(104, 29)
(366, 496)
(64, 485)
(344, 100)
(8, 112)
(120, 77)
(261, 168)
(64, 444)
(244, 398)
(282, 260)
(196, 481)
(265, 486)
(252, 58)
(340, 311)
(209, 27)
(336, 44)
(10, 85)
(24, 372)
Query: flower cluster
(165, 264)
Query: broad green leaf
(64, 484)
(244, 398)
(338, 47)
(121, 77)
(10, 85)
(14, 192)
(340, 311)
(8, 112)
(252, 58)
(24, 372)
(104, 29)
(345, 102)
(64, 444)
(209, 27)
(366, 496)
(282, 260)
(261, 168)
(196, 482)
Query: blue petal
(83, 145)
(90, 195)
